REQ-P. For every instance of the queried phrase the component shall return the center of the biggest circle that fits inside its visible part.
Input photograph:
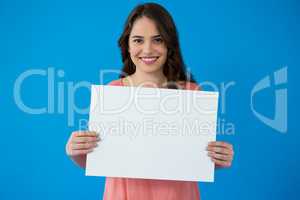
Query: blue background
(222, 41)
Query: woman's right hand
(81, 143)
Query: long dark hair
(174, 68)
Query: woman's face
(146, 47)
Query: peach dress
(148, 189)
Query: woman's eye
(138, 41)
(158, 40)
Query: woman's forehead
(144, 27)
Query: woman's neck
(142, 79)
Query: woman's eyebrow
(137, 36)
(156, 36)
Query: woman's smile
(149, 60)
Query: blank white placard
(152, 133)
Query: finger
(221, 163)
(85, 139)
(80, 152)
(83, 146)
(85, 134)
(220, 156)
(220, 144)
(220, 150)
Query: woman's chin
(149, 68)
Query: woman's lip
(149, 60)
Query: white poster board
(152, 133)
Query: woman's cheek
(134, 57)
(134, 54)
(163, 58)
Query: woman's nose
(147, 48)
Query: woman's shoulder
(187, 85)
(117, 82)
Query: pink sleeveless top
(148, 189)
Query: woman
(151, 58)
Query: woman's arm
(79, 160)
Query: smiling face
(146, 46)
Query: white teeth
(148, 59)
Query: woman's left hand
(221, 153)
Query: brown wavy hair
(174, 69)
